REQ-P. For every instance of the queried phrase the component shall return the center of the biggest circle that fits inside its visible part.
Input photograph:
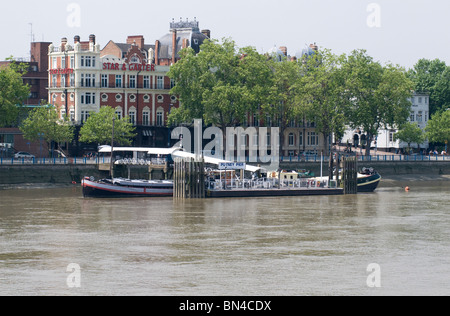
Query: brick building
(131, 77)
(11, 139)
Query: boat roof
(176, 152)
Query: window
(118, 81)
(412, 117)
(63, 81)
(419, 116)
(119, 113)
(72, 62)
(88, 61)
(63, 62)
(146, 118)
(133, 82)
(118, 97)
(160, 118)
(72, 80)
(84, 116)
(146, 98)
(172, 83)
(132, 116)
(420, 100)
(104, 81)
(313, 139)
(160, 83)
(268, 121)
(255, 120)
(54, 63)
(88, 98)
(132, 97)
(146, 82)
(300, 139)
(72, 115)
(291, 139)
(54, 81)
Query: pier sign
(232, 166)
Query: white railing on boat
(271, 183)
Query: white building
(420, 113)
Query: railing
(308, 159)
(397, 158)
(270, 183)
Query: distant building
(131, 77)
(37, 76)
(420, 114)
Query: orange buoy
(407, 189)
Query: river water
(239, 247)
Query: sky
(392, 31)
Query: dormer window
(135, 60)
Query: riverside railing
(362, 158)
(308, 159)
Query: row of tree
(225, 85)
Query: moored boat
(126, 188)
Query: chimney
(207, 33)
(138, 40)
(314, 47)
(92, 39)
(283, 49)
(185, 43)
(174, 46)
(157, 44)
(76, 39)
(64, 43)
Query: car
(22, 154)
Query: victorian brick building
(131, 77)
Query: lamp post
(111, 166)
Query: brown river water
(55, 242)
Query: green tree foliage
(282, 103)
(320, 93)
(221, 84)
(438, 128)
(13, 93)
(44, 123)
(410, 133)
(432, 77)
(378, 96)
(98, 128)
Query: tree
(13, 93)
(432, 77)
(221, 84)
(438, 128)
(377, 96)
(410, 133)
(282, 100)
(44, 123)
(320, 91)
(98, 128)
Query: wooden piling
(350, 175)
(189, 179)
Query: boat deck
(238, 193)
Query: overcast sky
(397, 31)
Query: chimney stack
(174, 46)
(137, 39)
(207, 33)
(64, 43)
(283, 49)
(76, 39)
(92, 39)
